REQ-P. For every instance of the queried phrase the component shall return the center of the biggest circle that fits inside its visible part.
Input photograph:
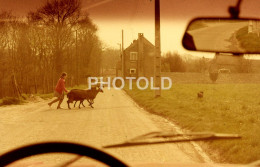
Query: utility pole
(123, 57)
(120, 56)
(157, 56)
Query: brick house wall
(139, 58)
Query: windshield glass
(102, 72)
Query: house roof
(135, 42)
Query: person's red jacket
(60, 87)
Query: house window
(132, 71)
(133, 56)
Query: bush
(248, 41)
(213, 76)
(173, 62)
(10, 100)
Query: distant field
(225, 108)
(203, 78)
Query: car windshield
(103, 72)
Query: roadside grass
(225, 108)
(50, 95)
(78, 87)
(11, 100)
(45, 96)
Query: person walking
(59, 90)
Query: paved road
(114, 119)
(217, 37)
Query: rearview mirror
(241, 36)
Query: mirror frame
(189, 48)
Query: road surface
(218, 37)
(114, 119)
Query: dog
(200, 94)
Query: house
(139, 58)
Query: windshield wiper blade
(172, 137)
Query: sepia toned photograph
(142, 83)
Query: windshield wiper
(164, 137)
(172, 137)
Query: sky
(137, 16)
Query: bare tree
(59, 17)
(9, 37)
(72, 35)
(56, 37)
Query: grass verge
(225, 108)
(11, 101)
(46, 96)
(50, 95)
